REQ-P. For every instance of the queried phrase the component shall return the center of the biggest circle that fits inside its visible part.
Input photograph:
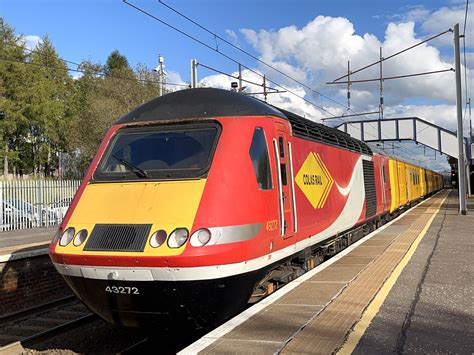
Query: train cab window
(164, 152)
(260, 161)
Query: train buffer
(405, 288)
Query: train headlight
(80, 237)
(178, 237)
(200, 237)
(158, 238)
(67, 237)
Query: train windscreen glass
(158, 153)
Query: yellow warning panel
(314, 180)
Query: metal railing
(34, 203)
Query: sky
(309, 40)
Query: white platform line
(23, 254)
(225, 328)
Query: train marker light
(67, 237)
(178, 237)
(80, 237)
(158, 238)
(200, 237)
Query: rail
(41, 322)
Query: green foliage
(48, 113)
(116, 62)
(13, 75)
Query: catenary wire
(249, 54)
(95, 71)
(223, 54)
(85, 71)
(284, 74)
(236, 62)
(254, 83)
(231, 76)
(392, 77)
(395, 54)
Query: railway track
(41, 322)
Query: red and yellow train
(195, 199)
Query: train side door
(284, 171)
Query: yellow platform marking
(374, 307)
(314, 180)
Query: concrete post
(461, 159)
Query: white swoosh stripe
(345, 190)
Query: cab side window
(260, 161)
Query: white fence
(34, 203)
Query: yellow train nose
(163, 206)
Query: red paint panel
(310, 220)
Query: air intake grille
(320, 133)
(369, 184)
(118, 237)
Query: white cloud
(417, 13)
(284, 100)
(31, 41)
(445, 18)
(76, 75)
(173, 77)
(232, 37)
(318, 52)
(444, 115)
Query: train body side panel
(429, 178)
(338, 203)
(382, 184)
(423, 182)
(410, 179)
(387, 184)
(402, 183)
(394, 185)
(378, 163)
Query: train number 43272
(122, 290)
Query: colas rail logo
(314, 180)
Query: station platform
(25, 243)
(405, 288)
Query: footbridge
(407, 128)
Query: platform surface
(25, 242)
(397, 290)
(430, 308)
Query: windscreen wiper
(133, 168)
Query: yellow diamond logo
(314, 180)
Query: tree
(116, 62)
(12, 93)
(50, 94)
(102, 100)
(48, 113)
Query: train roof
(210, 102)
